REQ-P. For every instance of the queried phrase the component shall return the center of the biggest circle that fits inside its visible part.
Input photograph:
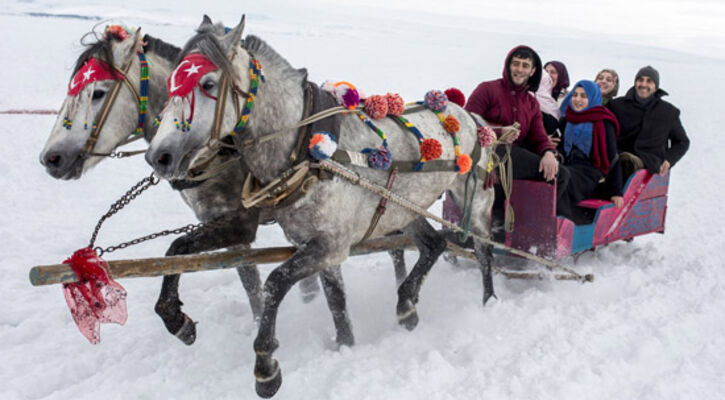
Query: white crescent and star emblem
(87, 74)
(174, 86)
(192, 70)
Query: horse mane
(101, 48)
(260, 48)
(167, 51)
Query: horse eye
(208, 85)
(97, 94)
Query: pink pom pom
(396, 105)
(431, 149)
(456, 96)
(486, 136)
(376, 106)
(436, 100)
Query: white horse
(331, 214)
(67, 155)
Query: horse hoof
(345, 340)
(187, 333)
(487, 297)
(407, 315)
(267, 386)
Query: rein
(142, 100)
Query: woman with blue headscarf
(589, 145)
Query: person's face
(553, 73)
(645, 86)
(579, 99)
(606, 82)
(521, 70)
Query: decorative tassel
(376, 106)
(430, 149)
(396, 105)
(486, 136)
(379, 158)
(464, 163)
(436, 100)
(456, 96)
(451, 125)
(322, 145)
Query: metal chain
(131, 194)
(187, 229)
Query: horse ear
(127, 48)
(205, 21)
(234, 36)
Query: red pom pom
(456, 96)
(431, 149)
(396, 105)
(376, 106)
(464, 163)
(451, 124)
(117, 32)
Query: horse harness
(319, 108)
(141, 99)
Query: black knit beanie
(651, 72)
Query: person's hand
(664, 167)
(554, 140)
(549, 165)
(618, 201)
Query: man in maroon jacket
(507, 100)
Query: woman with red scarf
(589, 145)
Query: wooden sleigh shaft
(149, 267)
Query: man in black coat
(650, 127)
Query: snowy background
(651, 326)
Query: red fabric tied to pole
(95, 298)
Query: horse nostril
(164, 159)
(52, 160)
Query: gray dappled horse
(65, 156)
(216, 199)
(333, 214)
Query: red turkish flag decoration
(93, 70)
(187, 74)
(95, 298)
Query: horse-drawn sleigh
(231, 129)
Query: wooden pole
(150, 267)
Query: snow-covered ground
(650, 327)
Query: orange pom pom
(431, 149)
(451, 124)
(464, 163)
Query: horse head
(74, 138)
(204, 77)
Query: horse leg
(484, 254)
(398, 262)
(334, 288)
(480, 224)
(303, 263)
(227, 231)
(430, 246)
(249, 275)
(309, 287)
